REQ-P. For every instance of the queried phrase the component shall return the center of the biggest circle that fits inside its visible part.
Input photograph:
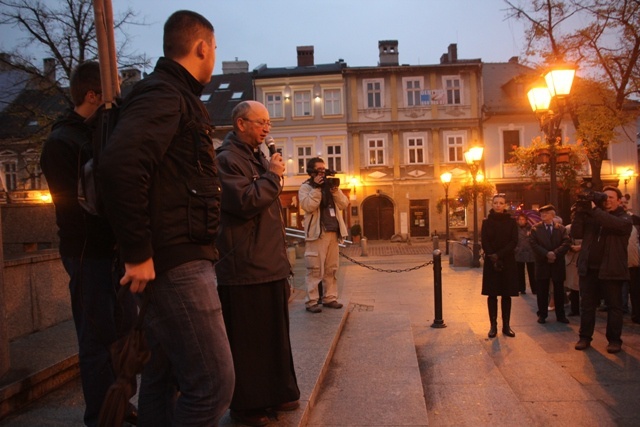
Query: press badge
(332, 212)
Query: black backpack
(103, 123)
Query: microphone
(271, 145)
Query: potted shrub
(356, 233)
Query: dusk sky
(268, 31)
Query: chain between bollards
(438, 322)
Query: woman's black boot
(506, 316)
(492, 303)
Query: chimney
(50, 69)
(514, 60)
(388, 52)
(234, 67)
(453, 53)
(130, 75)
(305, 56)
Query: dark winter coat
(615, 228)
(67, 147)
(523, 252)
(542, 243)
(252, 240)
(499, 237)
(157, 173)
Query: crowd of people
(196, 236)
(592, 263)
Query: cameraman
(604, 228)
(322, 202)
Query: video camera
(329, 179)
(583, 204)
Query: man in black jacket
(550, 243)
(87, 245)
(162, 195)
(602, 265)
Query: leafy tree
(603, 36)
(530, 162)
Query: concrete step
(373, 378)
(40, 363)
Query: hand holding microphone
(276, 164)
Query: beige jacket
(310, 199)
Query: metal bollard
(438, 322)
(436, 242)
(363, 247)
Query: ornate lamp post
(473, 157)
(559, 82)
(446, 180)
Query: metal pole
(552, 140)
(476, 245)
(438, 322)
(446, 214)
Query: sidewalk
(378, 361)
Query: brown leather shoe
(583, 344)
(614, 347)
(314, 308)
(332, 304)
(287, 406)
(255, 418)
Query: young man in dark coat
(602, 264)
(87, 245)
(253, 270)
(550, 242)
(162, 195)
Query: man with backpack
(161, 194)
(87, 245)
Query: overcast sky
(268, 31)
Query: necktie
(549, 229)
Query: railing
(299, 234)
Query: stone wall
(36, 293)
(28, 228)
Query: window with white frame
(415, 149)
(302, 103)
(453, 88)
(412, 88)
(454, 148)
(376, 151)
(273, 102)
(332, 102)
(510, 141)
(373, 89)
(10, 174)
(304, 153)
(334, 157)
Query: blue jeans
(99, 321)
(189, 350)
(591, 288)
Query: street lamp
(473, 157)
(558, 86)
(446, 180)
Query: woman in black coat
(499, 240)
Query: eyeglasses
(320, 171)
(260, 123)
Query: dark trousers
(542, 286)
(531, 269)
(590, 286)
(100, 319)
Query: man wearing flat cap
(550, 242)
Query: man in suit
(550, 242)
